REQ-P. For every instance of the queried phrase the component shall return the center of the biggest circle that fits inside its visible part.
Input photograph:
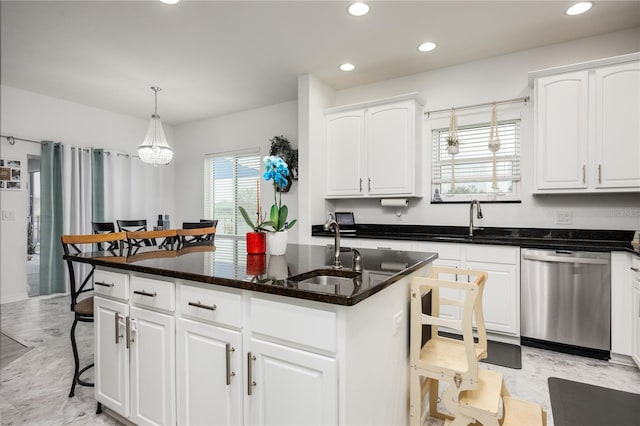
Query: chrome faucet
(357, 261)
(477, 203)
(331, 223)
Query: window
(231, 180)
(473, 165)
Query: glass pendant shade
(155, 149)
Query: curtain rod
(507, 101)
(12, 139)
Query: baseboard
(622, 360)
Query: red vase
(256, 243)
(256, 264)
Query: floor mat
(575, 403)
(498, 353)
(10, 350)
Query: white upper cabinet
(587, 127)
(373, 150)
(617, 136)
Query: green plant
(451, 141)
(281, 147)
(260, 225)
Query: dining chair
(196, 235)
(135, 226)
(203, 223)
(82, 308)
(101, 228)
(135, 238)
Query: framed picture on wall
(10, 175)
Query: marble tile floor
(34, 387)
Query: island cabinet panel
(635, 320)
(621, 305)
(373, 149)
(209, 374)
(111, 355)
(586, 129)
(152, 358)
(290, 386)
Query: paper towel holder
(399, 203)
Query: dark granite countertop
(566, 239)
(226, 263)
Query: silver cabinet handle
(584, 174)
(117, 327)
(144, 293)
(635, 269)
(250, 382)
(201, 306)
(104, 284)
(599, 173)
(229, 372)
(369, 184)
(360, 184)
(128, 331)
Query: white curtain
(77, 198)
(133, 190)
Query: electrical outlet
(564, 218)
(8, 215)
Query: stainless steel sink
(330, 280)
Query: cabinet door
(111, 355)
(292, 387)
(391, 149)
(209, 374)
(636, 320)
(561, 131)
(152, 360)
(344, 154)
(500, 299)
(617, 139)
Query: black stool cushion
(84, 307)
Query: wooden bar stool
(83, 308)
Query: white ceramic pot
(277, 242)
(453, 149)
(277, 268)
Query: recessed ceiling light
(170, 1)
(427, 46)
(347, 67)
(358, 8)
(579, 8)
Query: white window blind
(230, 181)
(473, 165)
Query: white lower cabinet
(111, 355)
(636, 311)
(286, 385)
(135, 352)
(209, 374)
(152, 359)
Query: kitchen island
(211, 335)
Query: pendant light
(155, 149)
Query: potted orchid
(278, 172)
(256, 240)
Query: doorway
(33, 226)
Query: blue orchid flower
(277, 171)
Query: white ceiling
(216, 57)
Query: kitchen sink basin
(329, 280)
(326, 276)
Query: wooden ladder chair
(471, 394)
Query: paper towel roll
(394, 202)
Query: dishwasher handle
(565, 259)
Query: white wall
(498, 78)
(233, 132)
(34, 116)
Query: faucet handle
(357, 261)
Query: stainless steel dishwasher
(566, 301)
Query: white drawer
(493, 254)
(112, 284)
(153, 293)
(306, 326)
(446, 251)
(212, 305)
